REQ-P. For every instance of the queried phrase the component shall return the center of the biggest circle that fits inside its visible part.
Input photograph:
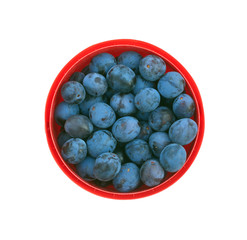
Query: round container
(79, 62)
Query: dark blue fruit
(107, 166)
(109, 93)
(161, 119)
(73, 92)
(102, 184)
(100, 142)
(142, 116)
(62, 138)
(77, 77)
(95, 84)
(151, 173)
(130, 59)
(85, 70)
(121, 154)
(171, 85)
(147, 99)
(138, 151)
(173, 157)
(145, 132)
(123, 104)
(158, 141)
(102, 63)
(142, 83)
(183, 106)
(128, 179)
(64, 111)
(152, 67)
(167, 102)
(78, 126)
(126, 129)
(121, 144)
(183, 131)
(102, 115)
(88, 102)
(85, 168)
(121, 78)
(74, 150)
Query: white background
(38, 201)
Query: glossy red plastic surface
(116, 47)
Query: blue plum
(64, 111)
(128, 178)
(102, 184)
(152, 67)
(95, 84)
(77, 77)
(107, 166)
(126, 129)
(138, 151)
(183, 106)
(101, 63)
(142, 116)
(130, 59)
(85, 168)
(152, 173)
(73, 92)
(78, 126)
(109, 93)
(74, 150)
(167, 102)
(123, 104)
(121, 144)
(102, 115)
(173, 157)
(142, 83)
(171, 85)
(158, 141)
(121, 154)
(62, 138)
(145, 132)
(85, 70)
(88, 102)
(147, 99)
(183, 131)
(161, 119)
(121, 78)
(100, 142)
